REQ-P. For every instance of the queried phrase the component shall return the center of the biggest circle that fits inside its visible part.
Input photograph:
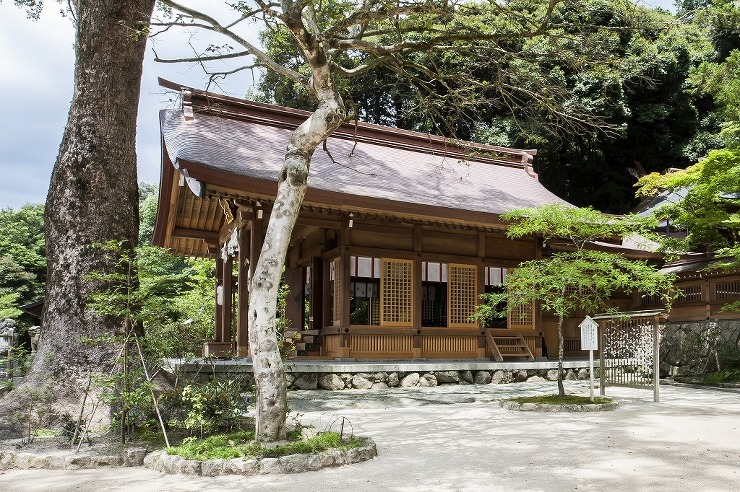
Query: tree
(639, 91)
(708, 208)
(22, 253)
(93, 193)
(337, 41)
(580, 279)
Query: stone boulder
(447, 377)
(466, 376)
(306, 381)
(393, 380)
(362, 381)
(482, 377)
(428, 380)
(410, 380)
(331, 382)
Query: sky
(36, 81)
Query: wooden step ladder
(504, 344)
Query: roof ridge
(232, 107)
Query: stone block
(380, 377)
(520, 376)
(331, 457)
(269, 465)
(410, 380)
(447, 377)
(427, 380)
(212, 468)
(240, 466)
(393, 380)
(134, 456)
(331, 382)
(294, 463)
(306, 381)
(482, 377)
(466, 376)
(189, 467)
(362, 381)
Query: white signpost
(590, 342)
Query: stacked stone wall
(696, 348)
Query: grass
(726, 376)
(242, 445)
(565, 400)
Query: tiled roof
(368, 169)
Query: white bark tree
(335, 40)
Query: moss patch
(242, 445)
(727, 376)
(565, 400)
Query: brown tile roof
(241, 145)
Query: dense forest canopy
(656, 117)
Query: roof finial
(187, 104)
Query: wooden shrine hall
(398, 236)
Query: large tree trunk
(93, 195)
(269, 372)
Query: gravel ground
(459, 438)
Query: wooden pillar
(257, 236)
(480, 289)
(344, 281)
(316, 308)
(219, 283)
(294, 301)
(416, 293)
(227, 307)
(242, 333)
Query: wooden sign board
(589, 334)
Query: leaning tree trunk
(268, 367)
(93, 194)
(561, 388)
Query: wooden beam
(208, 236)
(242, 334)
(219, 283)
(227, 306)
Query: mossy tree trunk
(92, 198)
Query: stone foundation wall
(397, 379)
(694, 349)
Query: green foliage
(217, 405)
(241, 445)
(581, 279)
(726, 376)
(584, 280)
(36, 414)
(148, 200)
(170, 297)
(22, 260)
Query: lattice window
(396, 292)
(727, 290)
(462, 288)
(651, 300)
(689, 294)
(336, 293)
(522, 317)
